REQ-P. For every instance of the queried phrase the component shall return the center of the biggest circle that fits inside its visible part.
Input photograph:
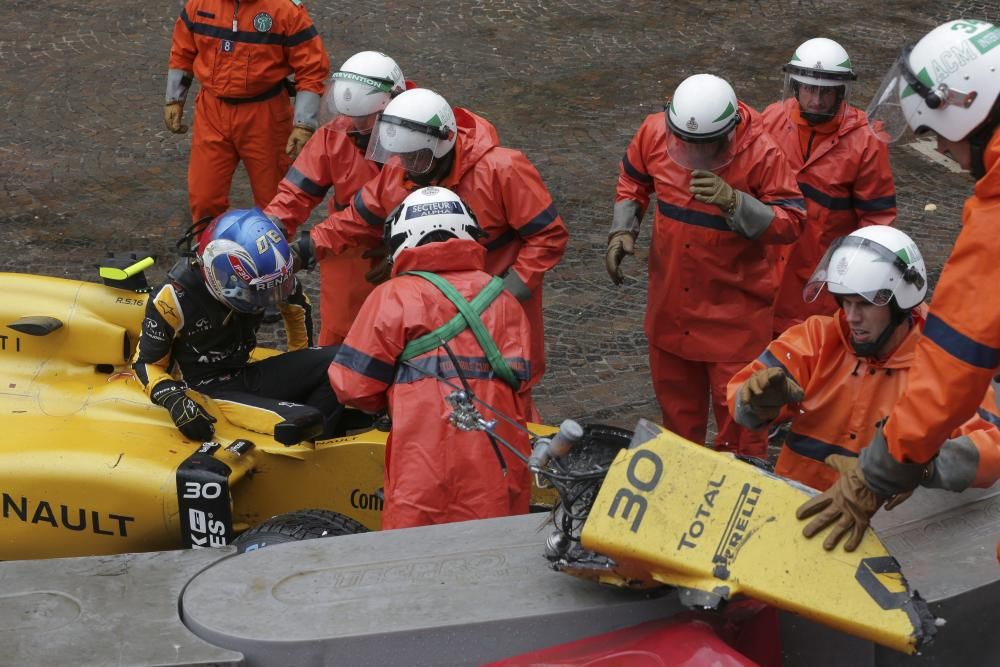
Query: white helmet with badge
(429, 214)
(701, 118)
(363, 87)
(879, 263)
(819, 77)
(415, 128)
(947, 83)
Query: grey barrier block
(102, 611)
(456, 594)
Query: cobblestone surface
(86, 166)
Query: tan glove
(709, 188)
(848, 505)
(620, 244)
(381, 271)
(767, 390)
(296, 140)
(173, 112)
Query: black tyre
(297, 526)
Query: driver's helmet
(878, 263)
(818, 78)
(246, 261)
(430, 214)
(363, 86)
(701, 118)
(415, 128)
(947, 83)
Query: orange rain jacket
(330, 159)
(434, 472)
(846, 399)
(711, 290)
(960, 350)
(989, 409)
(847, 182)
(505, 192)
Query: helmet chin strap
(980, 138)
(360, 139)
(439, 169)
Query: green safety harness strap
(467, 317)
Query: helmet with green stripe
(416, 128)
(819, 77)
(947, 83)
(363, 87)
(879, 263)
(701, 118)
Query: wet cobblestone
(86, 166)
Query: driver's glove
(192, 420)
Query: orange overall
(845, 177)
(846, 398)
(434, 472)
(330, 159)
(240, 51)
(711, 289)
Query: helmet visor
(708, 155)
(355, 96)
(888, 117)
(403, 142)
(860, 266)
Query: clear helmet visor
(353, 101)
(817, 99)
(708, 155)
(854, 265)
(406, 143)
(230, 274)
(890, 112)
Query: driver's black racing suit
(189, 335)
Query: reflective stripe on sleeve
(959, 345)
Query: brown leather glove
(767, 390)
(709, 188)
(620, 244)
(173, 112)
(381, 271)
(297, 139)
(848, 505)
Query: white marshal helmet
(878, 263)
(701, 117)
(426, 211)
(947, 83)
(415, 128)
(819, 62)
(363, 87)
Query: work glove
(303, 252)
(709, 188)
(848, 505)
(619, 244)
(381, 271)
(767, 390)
(297, 139)
(191, 419)
(173, 112)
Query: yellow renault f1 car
(88, 466)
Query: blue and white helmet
(246, 261)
